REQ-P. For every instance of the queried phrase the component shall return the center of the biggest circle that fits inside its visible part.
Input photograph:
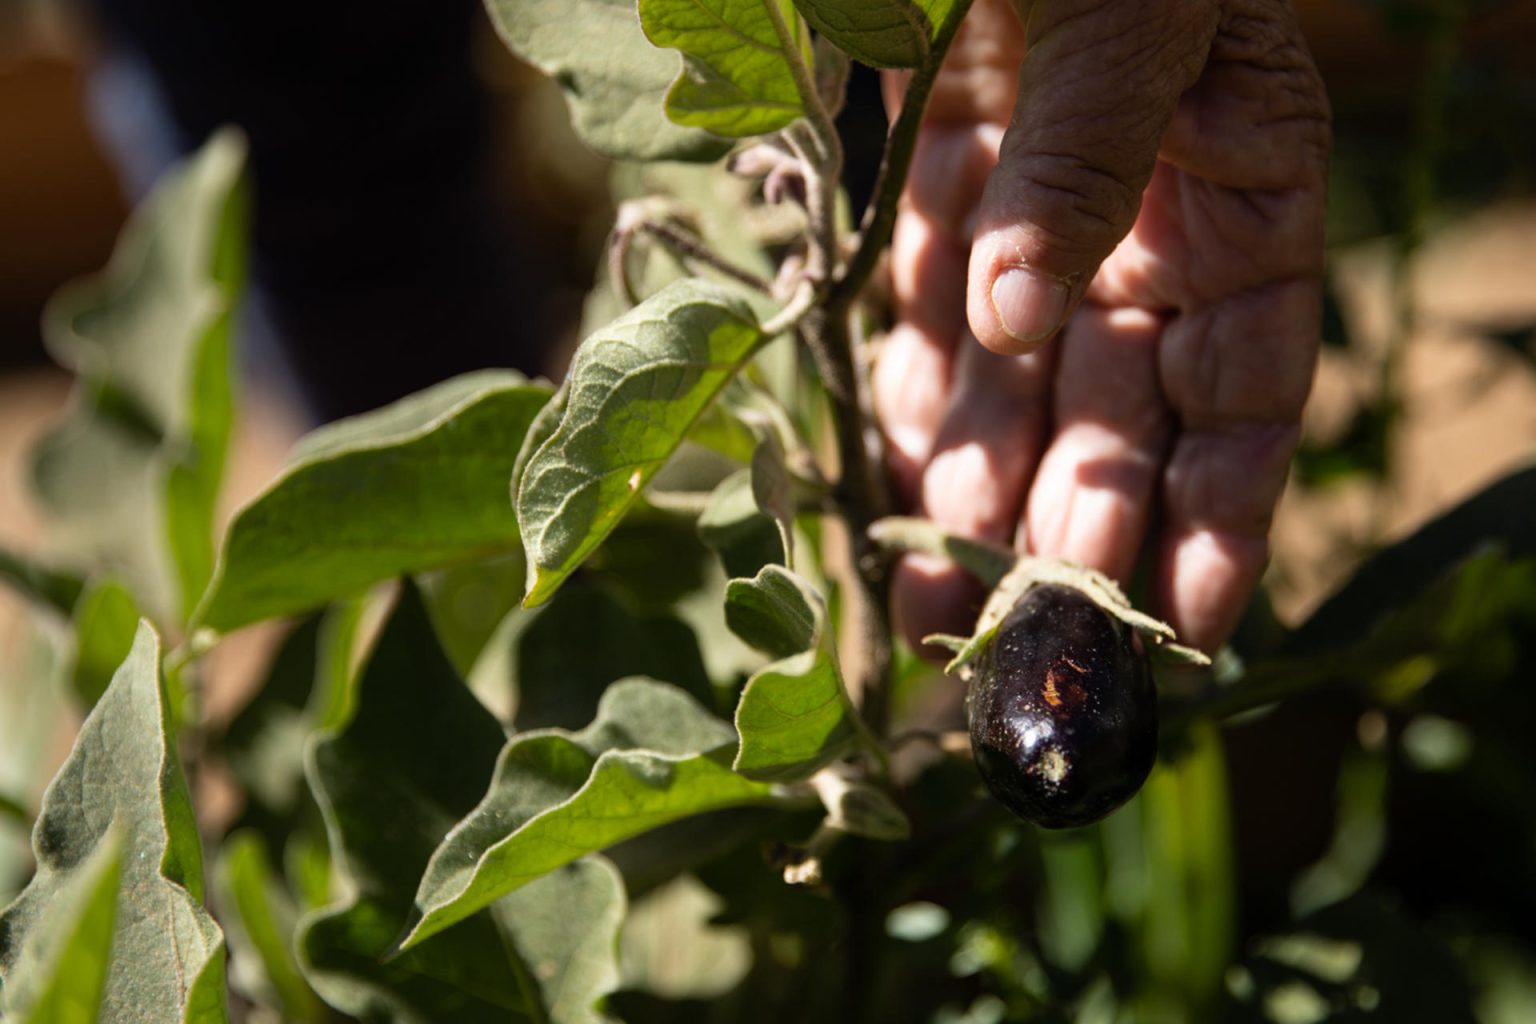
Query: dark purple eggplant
(1062, 709)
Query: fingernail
(1029, 306)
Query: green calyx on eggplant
(1061, 702)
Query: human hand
(1155, 205)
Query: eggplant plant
(587, 704)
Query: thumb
(1097, 90)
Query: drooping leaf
(167, 952)
(132, 476)
(795, 715)
(413, 486)
(413, 758)
(586, 639)
(745, 538)
(106, 620)
(50, 587)
(614, 80)
(633, 391)
(737, 79)
(881, 33)
(61, 974)
(651, 756)
(261, 918)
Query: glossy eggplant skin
(1062, 710)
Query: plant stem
(692, 250)
(861, 489)
(862, 496)
(880, 216)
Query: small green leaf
(413, 486)
(106, 620)
(773, 489)
(261, 919)
(61, 975)
(132, 476)
(738, 79)
(794, 715)
(50, 587)
(737, 529)
(633, 392)
(614, 81)
(167, 952)
(652, 756)
(860, 808)
(881, 33)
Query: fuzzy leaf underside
(132, 475)
(634, 390)
(123, 773)
(614, 81)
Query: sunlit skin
(1164, 162)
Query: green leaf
(737, 529)
(469, 601)
(106, 621)
(1399, 575)
(773, 489)
(651, 756)
(561, 674)
(50, 587)
(563, 930)
(132, 476)
(794, 716)
(260, 917)
(412, 759)
(860, 808)
(633, 391)
(881, 33)
(61, 975)
(738, 78)
(167, 952)
(614, 80)
(416, 485)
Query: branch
(880, 215)
(693, 251)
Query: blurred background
(422, 208)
